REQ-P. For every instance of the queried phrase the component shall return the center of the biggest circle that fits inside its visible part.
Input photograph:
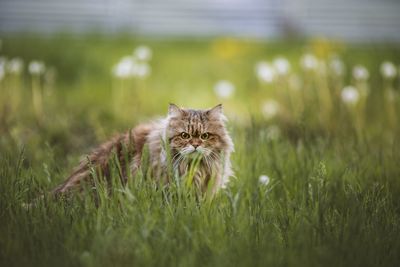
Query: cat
(184, 137)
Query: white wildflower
(360, 73)
(125, 67)
(15, 66)
(143, 53)
(270, 109)
(224, 89)
(265, 72)
(264, 179)
(350, 95)
(388, 70)
(129, 67)
(309, 62)
(36, 67)
(282, 65)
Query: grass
(334, 191)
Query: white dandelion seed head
(360, 73)
(36, 67)
(125, 67)
(388, 70)
(281, 65)
(309, 62)
(143, 53)
(270, 109)
(15, 66)
(265, 72)
(224, 89)
(337, 66)
(264, 179)
(350, 95)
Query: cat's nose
(195, 146)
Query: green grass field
(332, 157)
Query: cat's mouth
(192, 152)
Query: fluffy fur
(184, 137)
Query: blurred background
(352, 20)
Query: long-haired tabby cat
(184, 136)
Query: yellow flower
(227, 48)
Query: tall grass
(333, 192)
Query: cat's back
(140, 134)
(125, 145)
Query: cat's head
(198, 132)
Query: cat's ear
(215, 112)
(174, 110)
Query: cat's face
(197, 132)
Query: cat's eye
(185, 135)
(205, 136)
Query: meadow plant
(2, 78)
(390, 95)
(270, 109)
(13, 83)
(36, 70)
(130, 72)
(350, 95)
(337, 66)
(322, 87)
(15, 66)
(351, 98)
(2, 68)
(388, 70)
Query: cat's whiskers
(178, 161)
(186, 150)
(176, 156)
(214, 155)
(206, 152)
(206, 158)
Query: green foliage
(334, 191)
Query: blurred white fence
(359, 20)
